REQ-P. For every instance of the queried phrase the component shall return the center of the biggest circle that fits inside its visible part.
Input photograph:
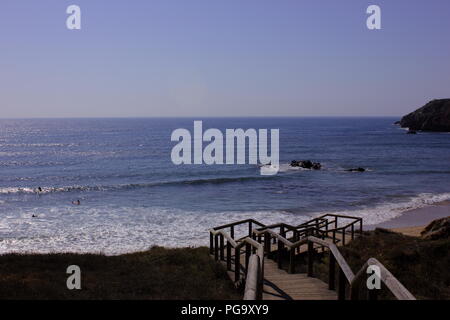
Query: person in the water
(77, 202)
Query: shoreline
(412, 222)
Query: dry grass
(422, 266)
(159, 273)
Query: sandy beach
(412, 222)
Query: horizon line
(192, 117)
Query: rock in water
(438, 229)
(316, 166)
(356, 169)
(306, 164)
(434, 116)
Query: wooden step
(280, 285)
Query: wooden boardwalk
(280, 285)
(265, 279)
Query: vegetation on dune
(422, 266)
(159, 273)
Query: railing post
(353, 231)
(341, 285)
(291, 260)
(279, 253)
(317, 227)
(332, 272)
(260, 280)
(372, 294)
(310, 258)
(216, 247)
(360, 227)
(222, 247)
(237, 264)
(248, 250)
(250, 229)
(283, 234)
(267, 244)
(228, 255)
(334, 236)
(323, 238)
(211, 243)
(343, 237)
(354, 291)
(232, 232)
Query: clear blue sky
(222, 58)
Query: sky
(211, 58)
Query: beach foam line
(390, 210)
(25, 190)
(116, 230)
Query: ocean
(133, 197)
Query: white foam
(388, 211)
(115, 230)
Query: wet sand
(412, 222)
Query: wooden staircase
(280, 285)
(265, 279)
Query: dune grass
(159, 273)
(422, 266)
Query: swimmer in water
(77, 203)
(39, 189)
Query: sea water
(132, 196)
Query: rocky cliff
(434, 116)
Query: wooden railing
(254, 256)
(320, 227)
(396, 288)
(258, 242)
(347, 278)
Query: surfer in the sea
(76, 202)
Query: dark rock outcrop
(356, 169)
(306, 164)
(434, 116)
(438, 229)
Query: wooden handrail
(238, 223)
(252, 283)
(255, 262)
(391, 282)
(255, 271)
(349, 275)
(396, 288)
